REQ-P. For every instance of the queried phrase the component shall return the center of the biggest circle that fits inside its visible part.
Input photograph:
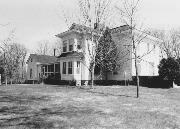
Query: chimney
(54, 52)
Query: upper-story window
(71, 43)
(148, 47)
(65, 46)
(30, 73)
(79, 44)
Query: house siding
(36, 69)
(149, 63)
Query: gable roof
(43, 58)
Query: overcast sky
(36, 20)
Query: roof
(72, 54)
(84, 29)
(43, 58)
(120, 29)
(81, 29)
(127, 27)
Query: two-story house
(147, 50)
(73, 63)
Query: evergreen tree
(169, 69)
(107, 55)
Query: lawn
(116, 107)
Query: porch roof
(43, 59)
(71, 54)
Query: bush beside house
(169, 70)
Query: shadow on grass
(18, 112)
(21, 114)
(109, 94)
(45, 118)
(21, 98)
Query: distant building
(72, 64)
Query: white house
(147, 49)
(39, 65)
(73, 63)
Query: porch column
(54, 68)
(47, 70)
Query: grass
(55, 107)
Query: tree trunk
(92, 81)
(106, 76)
(101, 73)
(11, 81)
(6, 80)
(137, 76)
(92, 76)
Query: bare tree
(43, 48)
(46, 47)
(170, 46)
(56, 47)
(13, 55)
(91, 14)
(128, 15)
(94, 13)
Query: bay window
(78, 67)
(70, 67)
(64, 67)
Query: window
(46, 70)
(65, 46)
(71, 43)
(30, 73)
(148, 47)
(64, 67)
(78, 67)
(69, 67)
(51, 68)
(151, 68)
(115, 73)
(57, 68)
(79, 44)
(31, 60)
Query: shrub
(53, 79)
(72, 82)
(169, 69)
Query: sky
(37, 20)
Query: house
(73, 62)
(147, 49)
(39, 65)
